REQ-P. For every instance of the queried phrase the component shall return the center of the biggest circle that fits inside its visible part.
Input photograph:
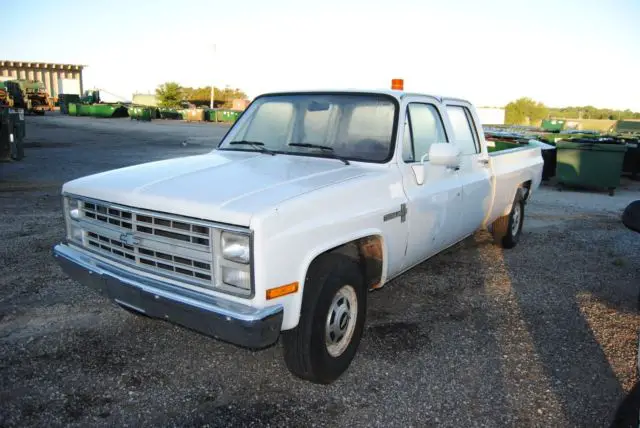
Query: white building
(47, 73)
(491, 115)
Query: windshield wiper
(259, 146)
(321, 147)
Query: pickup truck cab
(311, 200)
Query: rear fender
(520, 193)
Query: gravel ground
(541, 335)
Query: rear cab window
(465, 133)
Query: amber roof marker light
(397, 84)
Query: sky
(559, 52)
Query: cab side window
(464, 132)
(423, 127)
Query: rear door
(433, 206)
(475, 169)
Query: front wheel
(506, 230)
(332, 318)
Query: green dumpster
(84, 110)
(631, 164)
(227, 116)
(553, 125)
(235, 114)
(107, 110)
(101, 110)
(168, 113)
(142, 113)
(589, 164)
(73, 109)
(210, 115)
(133, 112)
(221, 115)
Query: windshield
(357, 127)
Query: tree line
(524, 111)
(172, 94)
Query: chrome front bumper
(222, 319)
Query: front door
(475, 171)
(433, 206)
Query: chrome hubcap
(516, 218)
(341, 320)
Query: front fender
(294, 306)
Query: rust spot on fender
(371, 251)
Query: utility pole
(214, 61)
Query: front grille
(176, 247)
(148, 224)
(111, 245)
(176, 264)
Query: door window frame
(472, 125)
(408, 119)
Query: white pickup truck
(310, 200)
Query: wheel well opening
(526, 186)
(367, 252)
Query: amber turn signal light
(283, 290)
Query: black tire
(502, 228)
(306, 353)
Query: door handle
(484, 162)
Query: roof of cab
(394, 93)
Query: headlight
(73, 208)
(236, 277)
(72, 211)
(235, 247)
(75, 233)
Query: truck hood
(222, 186)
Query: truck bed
(512, 165)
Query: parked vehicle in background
(311, 200)
(29, 95)
(35, 94)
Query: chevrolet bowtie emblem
(129, 239)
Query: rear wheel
(506, 230)
(325, 341)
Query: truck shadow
(534, 327)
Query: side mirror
(444, 154)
